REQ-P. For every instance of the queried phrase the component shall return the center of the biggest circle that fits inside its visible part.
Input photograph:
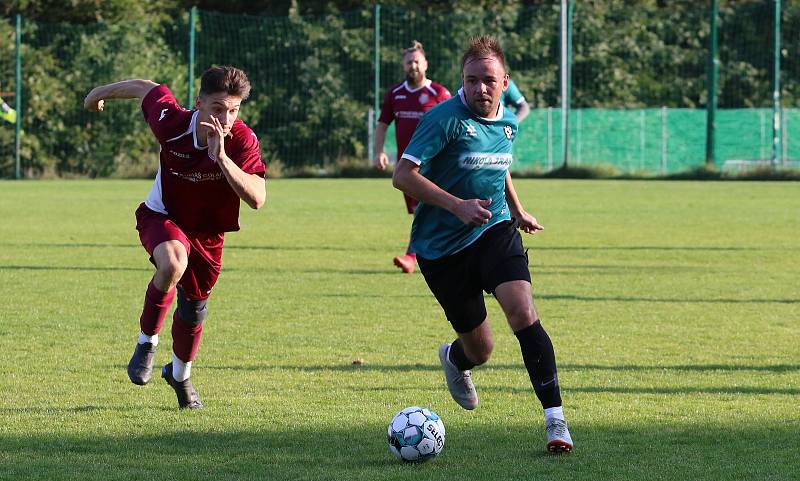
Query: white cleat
(558, 438)
(458, 382)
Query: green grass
(673, 306)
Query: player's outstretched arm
(526, 222)
(407, 178)
(126, 89)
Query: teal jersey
(512, 96)
(467, 156)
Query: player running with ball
(465, 231)
(209, 160)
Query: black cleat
(140, 367)
(187, 396)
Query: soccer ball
(416, 434)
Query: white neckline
(193, 126)
(426, 83)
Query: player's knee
(172, 269)
(192, 312)
(521, 317)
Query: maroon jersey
(406, 106)
(190, 187)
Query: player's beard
(414, 78)
(481, 108)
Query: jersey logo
(399, 97)
(423, 98)
(163, 114)
(471, 131)
(180, 154)
(485, 160)
(508, 131)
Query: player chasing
(209, 160)
(465, 231)
(405, 103)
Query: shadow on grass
(343, 248)
(357, 451)
(74, 268)
(77, 245)
(675, 300)
(774, 368)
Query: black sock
(458, 358)
(540, 360)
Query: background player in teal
(514, 99)
(465, 231)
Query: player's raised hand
(474, 212)
(215, 138)
(528, 223)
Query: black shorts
(458, 280)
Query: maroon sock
(156, 305)
(185, 338)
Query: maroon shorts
(203, 250)
(411, 203)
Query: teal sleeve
(430, 137)
(512, 95)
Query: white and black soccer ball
(416, 434)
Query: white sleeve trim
(411, 158)
(521, 100)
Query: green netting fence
(638, 85)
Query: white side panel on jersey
(155, 201)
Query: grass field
(673, 306)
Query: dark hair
(226, 79)
(415, 47)
(483, 47)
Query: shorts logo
(423, 98)
(163, 114)
(508, 131)
(471, 131)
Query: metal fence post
(377, 85)
(663, 139)
(549, 138)
(711, 105)
(190, 73)
(578, 136)
(18, 97)
(776, 84)
(566, 61)
(642, 138)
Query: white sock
(180, 370)
(556, 412)
(151, 339)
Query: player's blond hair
(415, 47)
(484, 46)
(230, 80)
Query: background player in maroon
(405, 103)
(209, 160)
